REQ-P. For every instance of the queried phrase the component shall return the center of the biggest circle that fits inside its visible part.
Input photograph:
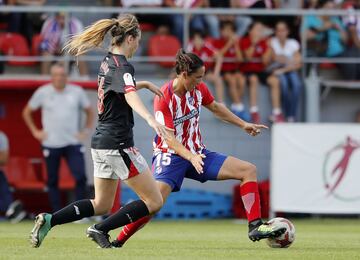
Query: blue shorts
(172, 169)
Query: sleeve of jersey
(36, 99)
(208, 98)
(123, 82)
(162, 112)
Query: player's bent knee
(251, 171)
(154, 205)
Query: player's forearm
(138, 106)
(141, 84)
(223, 113)
(179, 148)
(27, 116)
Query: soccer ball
(286, 239)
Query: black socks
(131, 212)
(78, 210)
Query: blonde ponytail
(94, 35)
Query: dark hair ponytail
(187, 62)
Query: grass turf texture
(224, 239)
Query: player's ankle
(255, 223)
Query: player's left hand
(154, 89)
(254, 129)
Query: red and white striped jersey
(181, 114)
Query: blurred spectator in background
(213, 20)
(255, 4)
(197, 22)
(310, 4)
(61, 105)
(13, 209)
(257, 55)
(212, 60)
(26, 24)
(352, 23)
(54, 34)
(163, 23)
(292, 21)
(229, 48)
(326, 35)
(286, 63)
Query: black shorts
(263, 75)
(229, 71)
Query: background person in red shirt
(212, 60)
(257, 55)
(229, 48)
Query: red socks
(131, 228)
(250, 196)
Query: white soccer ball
(286, 239)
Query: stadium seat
(327, 65)
(163, 46)
(21, 175)
(147, 27)
(35, 44)
(15, 44)
(66, 180)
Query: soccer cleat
(15, 212)
(265, 231)
(116, 244)
(40, 230)
(99, 237)
(279, 118)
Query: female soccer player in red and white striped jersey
(183, 155)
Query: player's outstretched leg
(259, 230)
(129, 230)
(40, 229)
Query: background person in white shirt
(287, 61)
(61, 135)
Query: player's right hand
(40, 135)
(197, 161)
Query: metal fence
(312, 108)
(187, 13)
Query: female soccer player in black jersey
(113, 152)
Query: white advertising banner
(315, 168)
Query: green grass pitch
(212, 239)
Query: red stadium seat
(327, 65)
(21, 175)
(147, 27)
(164, 46)
(66, 180)
(35, 44)
(15, 44)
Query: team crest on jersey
(191, 100)
(128, 79)
(104, 67)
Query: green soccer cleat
(265, 231)
(40, 230)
